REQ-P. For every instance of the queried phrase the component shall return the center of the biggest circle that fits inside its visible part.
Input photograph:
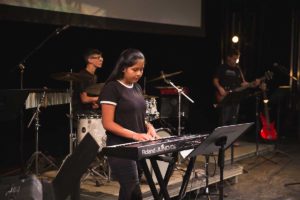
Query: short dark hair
(90, 52)
(232, 51)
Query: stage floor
(102, 187)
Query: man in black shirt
(229, 78)
(83, 103)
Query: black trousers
(126, 172)
(229, 114)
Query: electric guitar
(219, 98)
(268, 131)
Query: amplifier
(25, 188)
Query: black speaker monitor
(74, 166)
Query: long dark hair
(127, 59)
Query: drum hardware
(180, 93)
(99, 171)
(146, 96)
(35, 156)
(151, 108)
(92, 124)
(70, 77)
(165, 76)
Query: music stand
(232, 98)
(220, 139)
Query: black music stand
(233, 98)
(219, 140)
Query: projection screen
(183, 17)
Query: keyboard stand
(162, 181)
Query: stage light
(235, 39)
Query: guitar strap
(242, 75)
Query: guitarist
(227, 78)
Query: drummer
(83, 102)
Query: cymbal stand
(37, 153)
(180, 92)
(72, 136)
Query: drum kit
(93, 123)
(87, 124)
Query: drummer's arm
(87, 99)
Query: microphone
(59, 30)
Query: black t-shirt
(79, 87)
(229, 77)
(130, 109)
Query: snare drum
(91, 124)
(163, 132)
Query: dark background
(268, 33)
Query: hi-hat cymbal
(95, 89)
(164, 76)
(146, 96)
(70, 76)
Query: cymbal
(146, 96)
(284, 86)
(94, 89)
(70, 76)
(167, 87)
(165, 76)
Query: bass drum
(91, 124)
(163, 132)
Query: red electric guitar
(268, 132)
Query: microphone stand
(180, 92)
(21, 67)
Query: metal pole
(71, 136)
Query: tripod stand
(35, 156)
(99, 172)
(268, 132)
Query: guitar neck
(266, 108)
(250, 85)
